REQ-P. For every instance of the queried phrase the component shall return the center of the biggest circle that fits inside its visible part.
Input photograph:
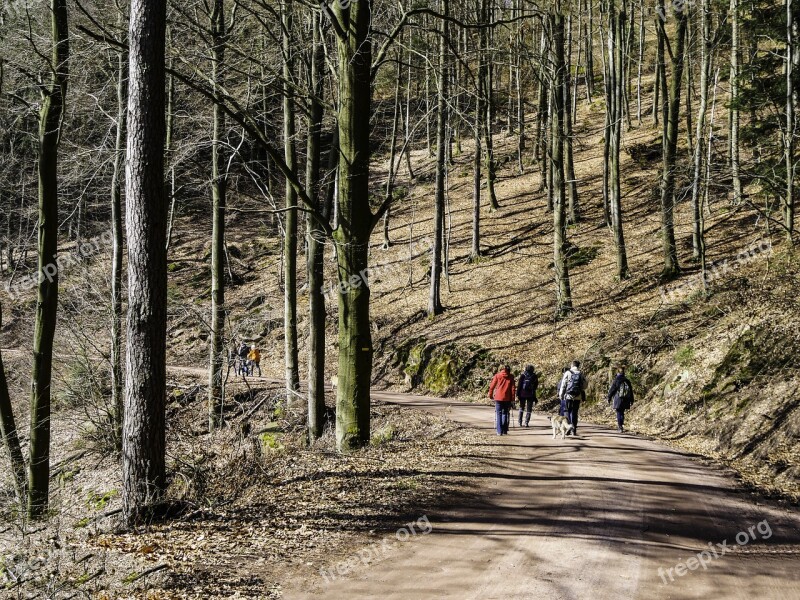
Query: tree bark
(434, 296)
(705, 72)
(50, 121)
(792, 92)
(563, 292)
(671, 267)
(355, 225)
(219, 181)
(117, 315)
(8, 429)
(143, 442)
(616, 70)
(316, 242)
(291, 354)
(734, 110)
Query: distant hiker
(621, 394)
(254, 360)
(572, 391)
(526, 393)
(501, 390)
(562, 409)
(241, 355)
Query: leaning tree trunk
(671, 267)
(8, 429)
(218, 196)
(316, 241)
(50, 120)
(355, 224)
(143, 441)
(563, 292)
(290, 240)
(434, 296)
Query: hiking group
(503, 390)
(246, 359)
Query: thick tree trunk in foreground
(50, 120)
(355, 225)
(143, 442)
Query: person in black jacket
(621, 394)
(526, 393)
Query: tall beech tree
(558, 65)
(143, 440)
(670, 142)
(219, 181)
(51, 116)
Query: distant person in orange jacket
(502, 391)
(255, 360)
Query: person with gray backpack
(621, 394)
(571, 391)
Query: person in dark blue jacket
(621, 394)
(526, 393)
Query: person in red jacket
(502, 391)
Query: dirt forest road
(601, 516)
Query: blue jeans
(502, 411)
(563, 408)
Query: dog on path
(560, 425)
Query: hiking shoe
(620, 429)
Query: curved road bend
(601, 516)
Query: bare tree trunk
(355, 225)
(143, 441)
(8, 429)
(563, 293)
(50, 121)
(117, 378)
(290, 223)
(734, 111)
(571, 183)
(315, 239)
(434, 298)
(392, 154)
(671, 267)
(616, 70)
(219, 180)
(792, 92)
(705, 72)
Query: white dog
(560, 425)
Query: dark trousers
(562, 410)
(572, 413)
(620, 417)
(526, 406)
(502, 411)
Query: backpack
(528, 384)
(574, 385)
(625, 392)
